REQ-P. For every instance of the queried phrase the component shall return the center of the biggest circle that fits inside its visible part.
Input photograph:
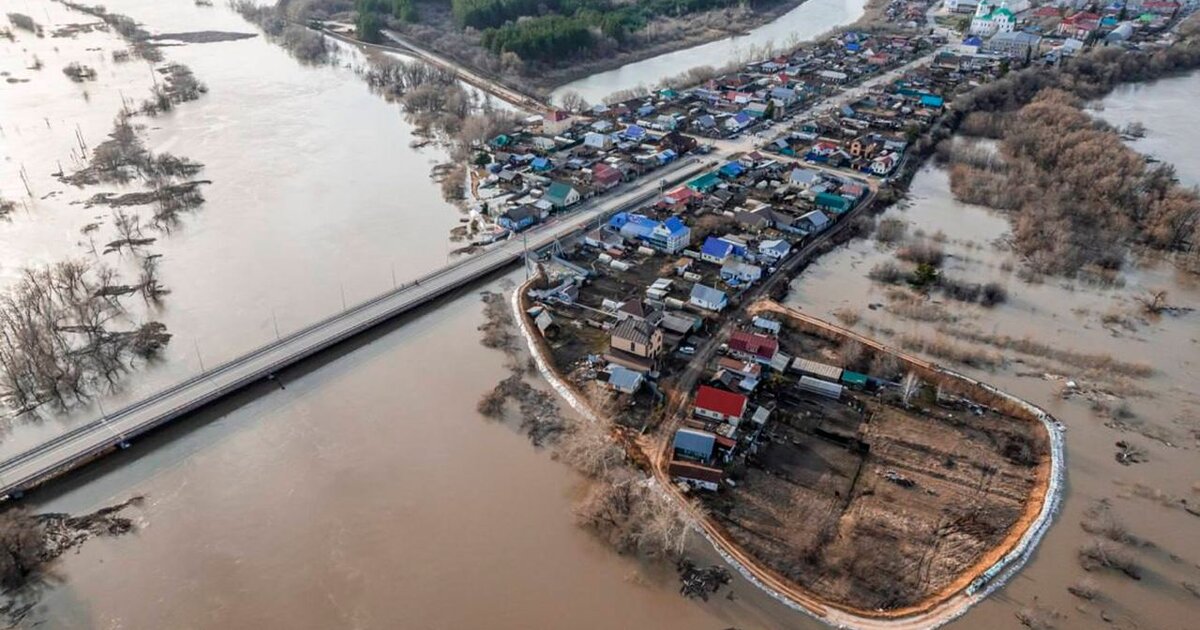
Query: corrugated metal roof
(695, 442)
(827, 372)
(817, 386)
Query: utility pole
(275, 320)
(196, 345)
(525, 253)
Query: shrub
(887, 273)
(890, 230)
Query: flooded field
(316, 197)
(1066, 326)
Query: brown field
(932, 491)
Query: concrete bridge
(100, 436)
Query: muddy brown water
(370, 493)
(1066, 315)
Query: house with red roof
(718, 404)
(1160, 7)
(1079, 25)
(754, 346)
(680, 196)
(605, 176)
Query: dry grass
(847, 316)
(942, 348)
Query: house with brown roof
(635, 344)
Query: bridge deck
(98, 436)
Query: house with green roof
(833, 202)
(705, 183)
(990, 19)
(561, 195)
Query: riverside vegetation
(535, 41)
(67, 329)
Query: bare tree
(910, 387)
(573, 101)
(1153, 301)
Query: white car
(688, 350)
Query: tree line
(373, 15)
(539, 31)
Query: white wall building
(990, 19)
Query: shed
(820, 387)
(624, 379)
(820, 370)
(854, 379)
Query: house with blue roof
(694, 444)
(634, 132)
(732, 170)
(520, 218)
(670, 236)
(716, 250)
(738, 121)
(930, 100)
(541, 164)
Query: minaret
(983, 8)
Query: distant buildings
(990, 19)
(1017, 44)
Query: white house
(598, 140)
(708, 298)
(815, 221)
(774, 249)
(990, 19)
(884, 164)
(741, 272)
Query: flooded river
(1070, 315)
(805, 22)
(369, 492)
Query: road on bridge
(89, 440)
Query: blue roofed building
(694, 444)
(670, 236)
(518, 219)
(634, 132)
(732, 169)
(716, 250)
